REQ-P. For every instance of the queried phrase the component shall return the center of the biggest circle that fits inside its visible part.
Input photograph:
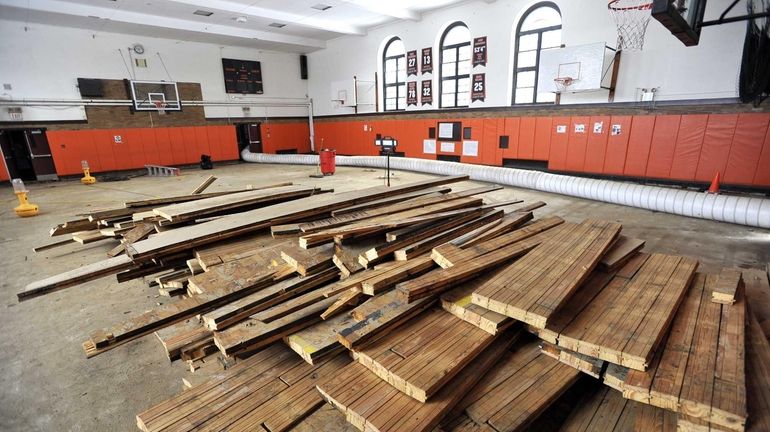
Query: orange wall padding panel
(542, 146)
(139, 146)
(762, 177)
(689, 148)
(716, 146)
(286, 136)
(527, 131)
(617, 146)
(596, 146)
(557, 156)
(746, 149)
(576, 144)
(639, 141)
(4, 174)
(672, 138)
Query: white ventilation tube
(748, 211)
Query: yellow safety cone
(25, 209)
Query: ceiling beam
(117, 15)
(275, 15)
(383, 8)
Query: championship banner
(479, 90)
(411, 93)
(411, 63)
(426, 97)
(427, 60)
(480, 51)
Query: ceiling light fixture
(241, 19)
(321, 7)
(203, 13)
(277, 25)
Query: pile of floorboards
(418, 308)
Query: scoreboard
(242, 76)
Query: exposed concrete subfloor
(47, 384)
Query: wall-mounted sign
(411, 93)
(615, 129)
(426, 96)
(447, 147)
(480, 51)
(411, 63)
(242, 76)
(118, 139)
(427, 60)
(580, 128)
(479, 88)
(470, 148)
(561, 129)
(598, 126)
(429, 146)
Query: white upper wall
(709, 70)
(45, 62)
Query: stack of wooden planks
(458, 314)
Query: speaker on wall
(303, 66)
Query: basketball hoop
(631, 18)
(161, 107)
(563, 83)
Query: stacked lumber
(459, 315)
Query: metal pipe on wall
(749, 211)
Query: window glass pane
(390, 77)
(526, 59)
(448, 69)
(524, 95)
(449, 55)
(464, 85)
(402, 90)
(390, 104)
(464, 67)
(551, 39)
(525, 79)
(463, 99)
(528, 42)
(457, 34)
(448, 100)
(402, 75)
(396, 47)
(390, 92)
(546, 97)
(401, 103)
(545, 16)
(465, 52)
(448, 86)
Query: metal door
(40, 151)
(255, 138)
(5, 148)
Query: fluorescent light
(203, 13)
(321, 7)
(277, 25)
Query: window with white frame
(394, 75)
(538, 30)
(455, 63)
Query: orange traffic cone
(714, 188)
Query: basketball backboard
(682, 18)
(155, 96)
(588, 67)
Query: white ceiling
(233, 22)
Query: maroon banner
(480, 51)
(411, 93)
(479, 89)
(427, 60)
(411, 63)
(426, 97)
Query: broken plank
(76, 276)
(728, 282)
(319, 341)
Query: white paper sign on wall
(470, 148)
(118, 139)
(598, 127)
(580, 128)
(429, 146)
(448, 147)
(616, 129)
(561, 128)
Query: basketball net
(631, 18)
(563, 83)
(161, 106)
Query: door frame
(27, 137)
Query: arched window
(538, 30)
(394, 75)
(455, 59)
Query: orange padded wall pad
(617, 146)
(137, 147)
(716, 146)
(639, 141)
(745, 153)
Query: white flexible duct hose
(748, 211)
